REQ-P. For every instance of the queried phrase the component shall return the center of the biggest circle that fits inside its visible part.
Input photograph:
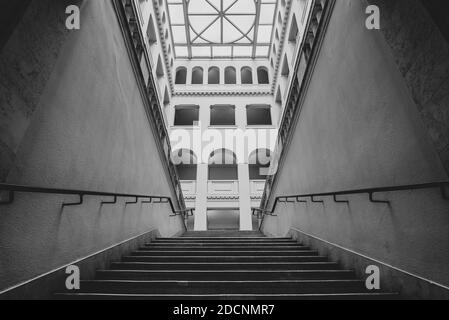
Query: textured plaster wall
(89, 130)
(360, 127)
(26, 63)
(421, 52)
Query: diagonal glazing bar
(187, 27)
(238, 29)
(256, 27)
(205, 29)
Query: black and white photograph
(224, 158)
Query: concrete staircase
(224, 265)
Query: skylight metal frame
(190, 42)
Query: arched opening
(181, 75)
(214, 75)
(151, 32)
(223, 165)
(159, 68)
(197, 75)
(247, 75)
(185, 161)
(278, 99)
(262, 75)
(230, 75)
(294, 30)
(285, 67)
(259, 164)
(166, 97)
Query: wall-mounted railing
(11, 189)
(309, 47)
(127, 14)
(319, 197)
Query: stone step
(239, 259)
(236, 297)
(223, 247)
(206, 266)
(225, 275)
(219, 252)
(223, 287)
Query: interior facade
(208, 149)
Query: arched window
(197, 75)
(293, 35)
(279, 96)
(262, 75)
(159, 67)
(214, 75)
(247, 75)
(230, 75)
(166, 97)
(259, 164)
(285, 68)
(181, 75)
(151, 32)
(186, 164)
(223, 165)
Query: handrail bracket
(73, 204)
(110, 202)
(371, 199)
(340, 201)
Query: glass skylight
(222, 28)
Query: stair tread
(237, 296)
(227, 271)
(225, 264)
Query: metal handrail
(370, 191)
(82, 193)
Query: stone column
(200, 223)
(246, 223)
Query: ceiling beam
(187, 27)
(256, 27)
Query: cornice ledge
(164, 45)
(222, 93)
(281, 49)
(223, 198)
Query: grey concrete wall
(26, 63)
(421, 52)
(360, 128)
(89, 130)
